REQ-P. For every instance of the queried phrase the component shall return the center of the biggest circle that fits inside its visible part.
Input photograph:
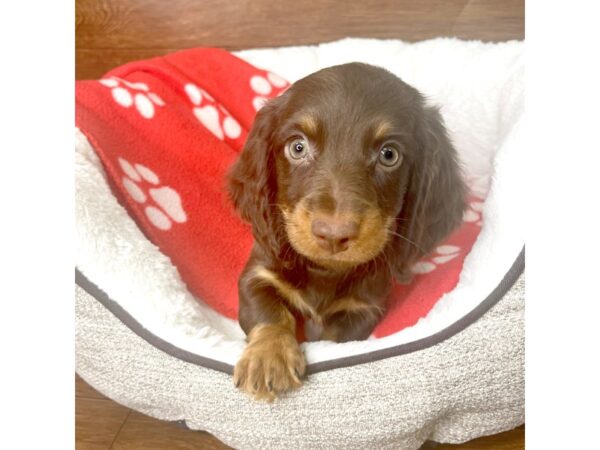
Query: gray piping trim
(494, 297)
(505, 284)
(142, 332)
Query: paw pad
(166, 207)
(126, 94)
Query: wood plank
(510, 440)
(134, 24)
(110, 33)
(141, 432)
(97, 422)
(84, 390)
(92, 64)
(484, 19)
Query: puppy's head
(346, 165)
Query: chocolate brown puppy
(347, 179)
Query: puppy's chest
(320, 295)
(317, 297)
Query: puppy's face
(345, 163)
(343, 152)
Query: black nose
(334, 236)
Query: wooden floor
(101, 424)
(112, 32)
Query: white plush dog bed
(145, 341)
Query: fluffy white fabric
(479, 87)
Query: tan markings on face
(352, 305)
(373, 235)
(382, 129)
(308, 123)
(292, 295)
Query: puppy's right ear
(436, 195)
(252, 182)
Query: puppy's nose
(334, 236)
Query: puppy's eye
(298, 149)
(389, 157)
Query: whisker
(407, 240)
(279, 209)
(288, 250)
(386, 261)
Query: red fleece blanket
(167, 129)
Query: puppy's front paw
(271, 364)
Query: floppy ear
(436, 195)
(252, 182)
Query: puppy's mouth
(337, 241)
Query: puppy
(347, 179)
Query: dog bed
(156, 326)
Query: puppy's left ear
(436, 195)
(252, 182)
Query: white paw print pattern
(126, 94)
(167, 203)
(213, 116)
(473, 213)
(264, 86)
(441, 255)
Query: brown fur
(345, 116)
(272, 362)
(292, 296)
(352, 305)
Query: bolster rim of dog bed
(494, 297)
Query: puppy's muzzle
(334, 235)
